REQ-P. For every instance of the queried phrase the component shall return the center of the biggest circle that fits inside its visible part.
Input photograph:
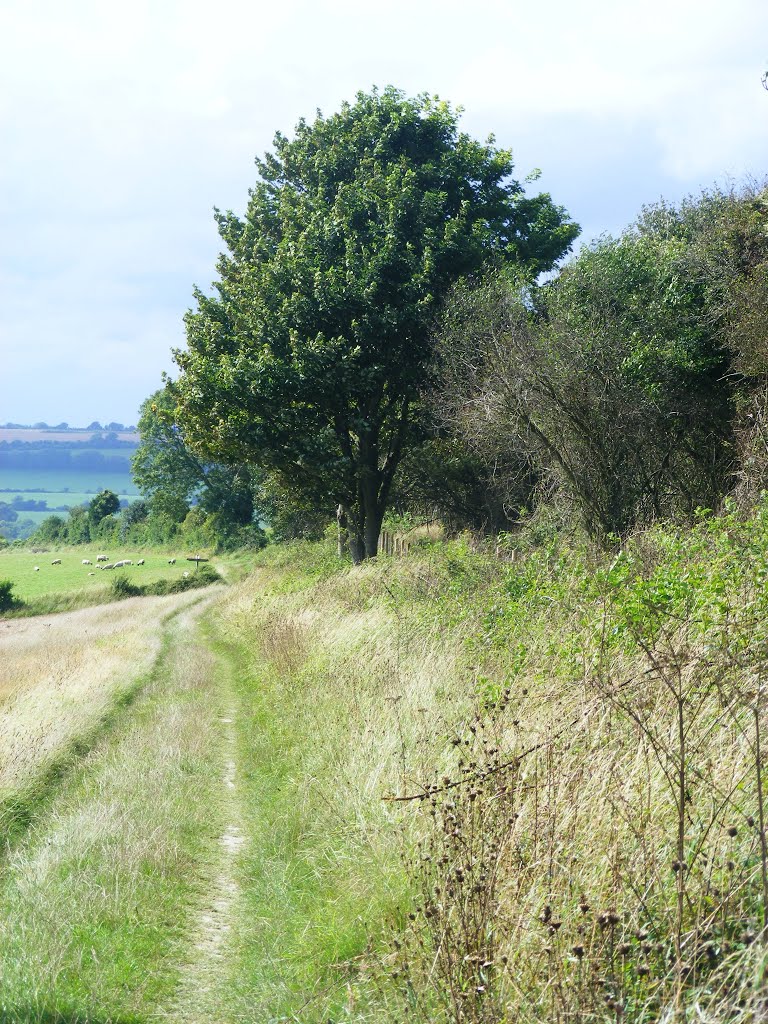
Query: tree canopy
(311, 354)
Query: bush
(203, 576)
(122, 587)
(7, 600)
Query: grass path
(200, 993)
(99, 897)
(186, 861)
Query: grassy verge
(97, 902)
(482, 790)
(318, 876)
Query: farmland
(18, 565)
(62, 487)
(26, 434)
(60, 469)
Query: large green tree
(310, 357)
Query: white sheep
(140, 562)
(86, 561)
(171, 561)
(93, 573)
(101, 558)
(185, 574)
(37, 568)
(56, 561)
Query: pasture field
(58, 500)
(73, 485)
(18, 565)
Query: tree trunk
(356, 547)
(372, 531)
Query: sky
(122, 125)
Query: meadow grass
(480, 791)
(100, 899)
(469, 790)
(72, 577)
(62, 675)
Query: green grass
(532, 709)
(352, 684)
(18, 565)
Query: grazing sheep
(56, 561)
(111, 566)
(171, 561)
(37, 568)
(101, 558)
(140, 562)
(119, 565)
(86, 561)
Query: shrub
(122, 587)
(7, 599)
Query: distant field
(80, 486)
(56, 498)
(36, 517)
(24, 434)
(19, 567)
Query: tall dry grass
(61, 674)
(568, 763)
(100, 902)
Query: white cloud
(122, 124)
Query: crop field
(36, 517)
(29, 434)
(19, 567)
(57, 500)
(50, 483)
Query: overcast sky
(123, 124)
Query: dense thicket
(623, 385)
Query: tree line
(392, 329)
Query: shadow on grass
(42, 1015)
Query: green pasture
(50, 483)
(18, 566)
